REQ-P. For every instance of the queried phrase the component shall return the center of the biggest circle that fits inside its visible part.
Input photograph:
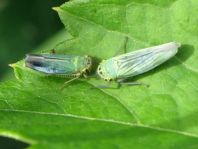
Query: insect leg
(53, 51)
(104, 87)
(69, 81)
(85, 75)
(63, 42)
(125, 44)
(133, 83)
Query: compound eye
(86, 70)
(100, 72)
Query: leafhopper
(122, 67)
(60, 65)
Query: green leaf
(35, 110)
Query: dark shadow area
(185, 51)
(8, 143)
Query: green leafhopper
(127, 65)
(60, 65)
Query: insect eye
(87, 71)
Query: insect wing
(140, 61)
(52, 63)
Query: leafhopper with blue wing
(60, 65)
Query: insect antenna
(124, 46)
(62, 42)
(53, 50)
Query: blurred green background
(24, 24)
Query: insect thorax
(83, 65)
(107, 70)
(88, 63)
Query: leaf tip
(56, 8)
(12, 65)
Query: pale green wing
(137, 62)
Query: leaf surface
(35, 110)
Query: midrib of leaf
(138, 124)
(132, 113)
(104, 120)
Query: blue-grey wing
(51, 63)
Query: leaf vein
(107, 121)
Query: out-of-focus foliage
(22, 28)
(23, 25)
